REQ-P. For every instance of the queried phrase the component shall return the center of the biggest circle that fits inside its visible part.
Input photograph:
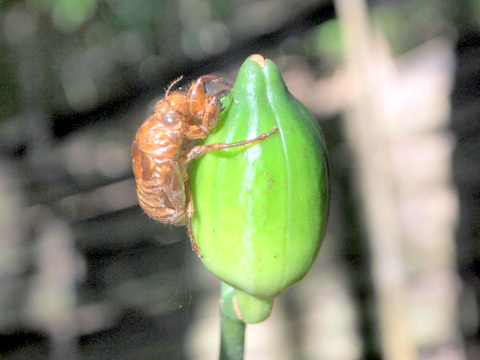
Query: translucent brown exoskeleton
(164, 146)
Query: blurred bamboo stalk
(52, 302)
(396, 124)
(367, 133)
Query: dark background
(85, 275)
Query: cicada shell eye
(171, 119)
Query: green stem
(232, 329)
(232, 338)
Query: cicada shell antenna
(172, 84)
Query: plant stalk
(232, 341)
(232, 338)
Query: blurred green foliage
(67, 15)
(85, 52)
(325, 41)
(412, 23)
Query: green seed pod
(261, 209)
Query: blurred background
(395, 85)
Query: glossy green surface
(239, 305)
(261, 210)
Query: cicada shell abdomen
(158, 174)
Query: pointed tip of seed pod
(259, 59)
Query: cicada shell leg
(204, 107)
(200, 150)
(190, 209)
(210, 78)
